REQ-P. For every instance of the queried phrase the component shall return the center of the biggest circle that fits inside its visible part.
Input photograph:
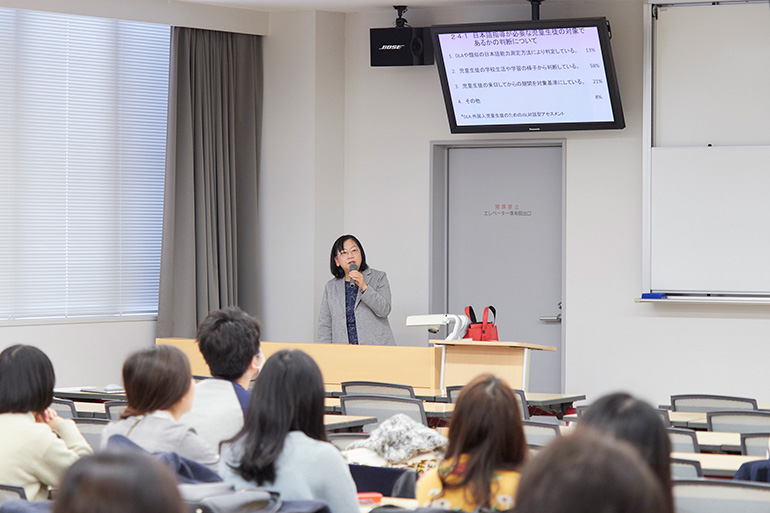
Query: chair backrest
(538, 434)
(91, 429)
(453, 392)
(755, 444)
(738, 421)
(521, 397)
(11, 492)
(382, 407)
(376, 388)
(664, 417)
(342, 440)
(720, 495)
(704, 403)
(64, 407)
(685, 469)
(683, 440)
(115, 408)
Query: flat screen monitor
(528, 76)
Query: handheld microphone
(353, 267)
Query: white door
(504, 246)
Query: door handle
(554, 318)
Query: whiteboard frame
(647, 144)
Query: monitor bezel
(600, 23)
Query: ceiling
(347, 5)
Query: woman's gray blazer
(372, 309)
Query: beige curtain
(209, 246)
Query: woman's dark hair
(486, 426)
(228, 340)
(155, 379)
(118, 482)
(338, 246)
(288, 395)
(627, 418)
(587, 472)
(26, 380)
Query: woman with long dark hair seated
(37, 445)
(159, 389)
(486, 450)
(282, 446)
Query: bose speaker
(401, 46)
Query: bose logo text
(391, 47)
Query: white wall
(83, 353)
(301, 173)
(392, 115)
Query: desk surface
(688, 419)
(713, 441)
(717, 465)
(522, 345)
(341, 422)
(77, 394)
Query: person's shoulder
(214, 385)
(375, 272)
(310, 445)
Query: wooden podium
(416, 366)
(463, 360)
(427, 369)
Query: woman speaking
(356, 302)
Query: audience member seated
(632, 420)
(37, 445)
(282, 446)
(159, 389)
(486, 450)
(588, 472)
(118, 482)
(229, 342)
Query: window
(83, 104)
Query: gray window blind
(83, 104)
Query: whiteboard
(707, 159)
(712, 75)
(710, 224)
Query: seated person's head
(118, 482)
(486, 426)
(158, 378)
(587, 472)
(627, 418)
(287, 396)
(229, 342)
(26, 380)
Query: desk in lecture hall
(717, 465)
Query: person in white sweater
(229, 342)
(159, 390)
(282, 446)
(38, 445)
